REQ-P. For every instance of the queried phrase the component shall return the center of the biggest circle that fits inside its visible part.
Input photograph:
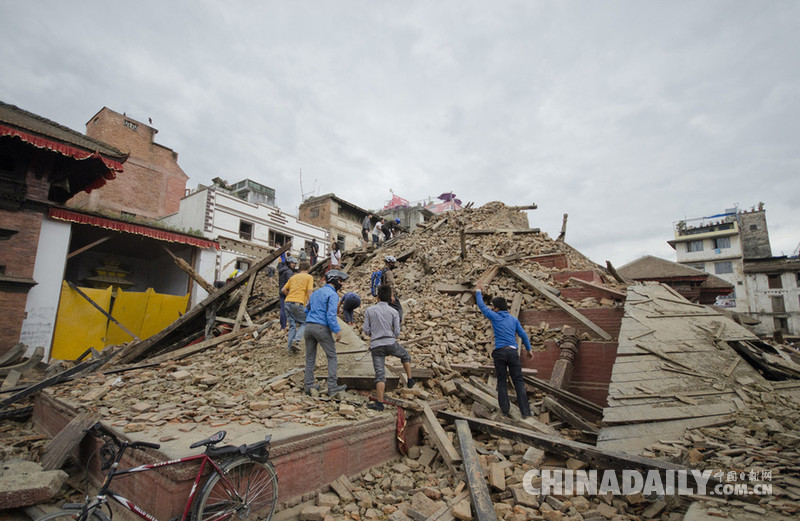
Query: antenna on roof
(302, 193)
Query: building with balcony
(720, 244)
(340, 218)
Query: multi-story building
(242, 218)
(774, 294)
(340, 218)
(153, 183)
(720, 244)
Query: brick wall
(555, 260)
(609, 319)
(17, 254)
(588, 276)
(152, 183)
(592, 372)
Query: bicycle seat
(211, 440)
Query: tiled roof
(15, 117)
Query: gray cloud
(627, 115)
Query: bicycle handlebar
(99, 430)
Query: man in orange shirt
(297, 290)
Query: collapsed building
(625, 376)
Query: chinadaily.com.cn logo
(565, 482)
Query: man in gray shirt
(382, 324)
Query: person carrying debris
(366, 226)
(285, 272)
(322, 327)
(505, 356)
(387, 278)
(382, 324)
(348, 305)
(297, 291)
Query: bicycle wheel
(255, 483)
(72, 515)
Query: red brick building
(41, 164)
(153, 183)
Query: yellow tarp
(79, 325)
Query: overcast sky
(627, 115)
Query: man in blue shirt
(321, 328)
(505, 356)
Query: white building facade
(246, 228)
(774, 294)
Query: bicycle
(243, 483)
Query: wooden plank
(645, 413)
(564, 395)
(451, 289)
(61, 445)
(567, 415)
(445, 513)
(611, 293)
(35, 358)
(440, 439)
(248, 289)
(478, 489)
(492, 231)
(540, 288)
(101, 310)
(10, 380)
(486, 278)
(183, 352)
(12, 355)
(595, 457)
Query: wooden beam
(36, 357)
(565, 396)
(196, 348)
(243, 303)
(184, 266)
(597, 458)
(87, 247)
(440, 439)
(612, 293)
(615, 274)
(103, 311)
(541, 288)
(478, 489)
(568, 415)
(531, 206)
(61, 445)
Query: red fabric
(67, 150)
(121, 226)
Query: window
(753, 227)
(694, 246)
(242, 264)
(6, 234)
(313, 213)
(701, 267)
(131, 125)
(722, 243)
(246, 230)
(340, 240)
(723, 267)
(778, 305)
(798, 279)
(774, 281)
(781, 324)
(278, 239)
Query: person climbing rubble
(387, 279)
(297, 291)
(505, 355)
(382, 324)
(349, 303)
(322, 327)
(285, 272)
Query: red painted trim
(122, 226)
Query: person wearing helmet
(388, 280)
(322, 328)
(296, 294)
(285, 272)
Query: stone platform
(306, 458)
